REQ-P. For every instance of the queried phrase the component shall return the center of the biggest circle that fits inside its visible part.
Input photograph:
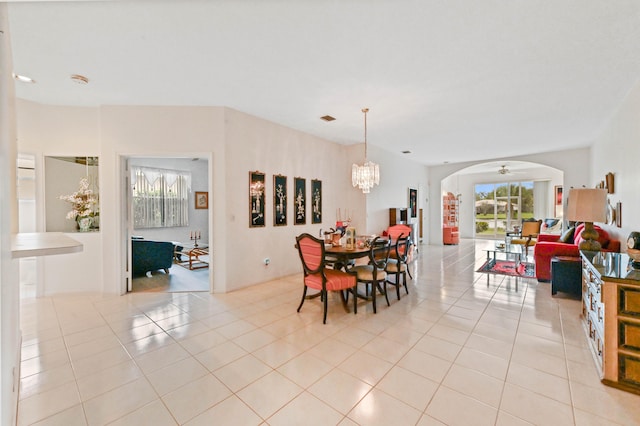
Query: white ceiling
(448, 80)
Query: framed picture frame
(619, 214)
(557, 201)
(279, 200)
(316, 201)
(256, 199)
(201, 200)
(413, 202)
(300, 201)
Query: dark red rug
(508, 267)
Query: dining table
(343, 258)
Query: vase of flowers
(84, 223)
(83, 203)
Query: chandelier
(368, 174)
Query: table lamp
(588, 206)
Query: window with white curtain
(160, 197)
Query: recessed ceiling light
(327, 118)
(80, 79)
(406, 152)
(23, 78)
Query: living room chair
(397, 265)
(319, 277)
(373, 275)
(528, 235)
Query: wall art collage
(257, 200)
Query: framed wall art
(413, 202)
(300, 201)
(279, 200)
(202, 200)
(256, 199)
(316, 201)
(557, 200)
(619, 214)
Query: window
(160, 197)
(500, 206)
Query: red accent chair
(396, 231)
(549, 246)
(318, 277)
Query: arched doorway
(496, 195)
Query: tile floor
(454, 351)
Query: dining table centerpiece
(83, 203)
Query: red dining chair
(397, 231)
(397, 265)
(318, 277)
(373, 274)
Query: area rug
(508, 267)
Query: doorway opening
(168, 224)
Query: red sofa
(549, 246)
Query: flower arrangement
(83, 201)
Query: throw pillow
(567, 237)
(550, 222)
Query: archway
(506, 205)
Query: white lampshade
(587, 205)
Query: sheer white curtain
(160, 197)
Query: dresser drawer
(629, 369)
(628, 335)
(629, 301)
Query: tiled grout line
(566, 363)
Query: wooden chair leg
(373, 296)
(324, 304)
(355, 298)
(304, 295)
(384, 291)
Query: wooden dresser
(611, 317)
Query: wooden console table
(611, 317)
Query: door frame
(126, 211)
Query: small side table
(566, 275)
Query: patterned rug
(508, 267)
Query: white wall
(9, 274)
(198, 218)
(617, 150)
(63, 178)
(397, 174)
(150, 132)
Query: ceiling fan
(503, 170)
